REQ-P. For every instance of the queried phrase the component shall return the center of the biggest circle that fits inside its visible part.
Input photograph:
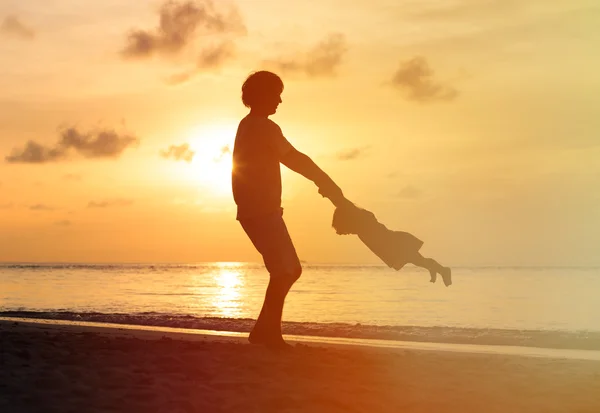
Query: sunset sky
(474, 124)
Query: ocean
(532, 306)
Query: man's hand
(330, 190)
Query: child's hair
(348, 219)
(259, 84)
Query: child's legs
(427, 263)
(434, 268)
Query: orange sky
(472, 124)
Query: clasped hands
(330, 190)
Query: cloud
(415, 79)
(179, 23)
(72, 177)
(179, 153)
(8, 205)
(468, 9)
(35, 153)
(210, 58)
(119, 202)
(215, 56)
(322, 60)
(179, 78)
(225, 150)
(12, 26)
(410, 192)
(41, 207)
(63, 223)
(352, 154)
(104, 143)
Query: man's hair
(259, 84)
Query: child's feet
(433, 276)
(446, 274)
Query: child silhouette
(395, 248)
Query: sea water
(507, 298)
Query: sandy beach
(76, 369)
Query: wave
(580, 340)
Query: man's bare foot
(433, 276)
(278, 345)
(255, 337)
(272, 341)
(446, 274)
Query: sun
(212, 161)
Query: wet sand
(575, 340)
(77, 369)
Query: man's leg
(267, 330)
(261, 322)
(271, 238)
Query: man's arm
(302, 164)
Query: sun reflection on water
(228, 282)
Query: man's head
(261, 92)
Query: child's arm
(302, 164)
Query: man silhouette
(259, 149)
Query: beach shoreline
(551, 339)
(190, 334)
(57, 368)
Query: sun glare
(211, 165)
(228, 282)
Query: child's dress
(395, 248)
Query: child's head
(349, 219)
(262, 92)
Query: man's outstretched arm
(302, 164)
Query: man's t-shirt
(256, 175)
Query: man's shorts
(271, 238)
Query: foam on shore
(451, 335)
(153, 332)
